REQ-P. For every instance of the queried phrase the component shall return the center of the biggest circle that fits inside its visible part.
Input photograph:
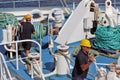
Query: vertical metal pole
(73, 5)
(32, 70)
(115, 3)
(1, 68)
(14, 4)
(40, 27)
(39, 3)
(17, 56)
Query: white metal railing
(17, 57)
(37, 3)
(16, 49)
(41, 3)
(4, 69)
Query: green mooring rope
(107, 37)
(7, 18)
(40, 30)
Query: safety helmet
(85, 42)
(27, 16)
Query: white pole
(17, 56)
(115, 3)
(73, 6)
(1, 68)
(39, 3)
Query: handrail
(5, 67)
(16, 42)
(26, 3)
(52, 3)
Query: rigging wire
(67, 5)
(66, 9)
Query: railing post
(17, 55)
(39, 3)
(115, 3)
(73, 6)
(14, 4)
(1, 68)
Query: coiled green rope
(40, 30)
(7, 18)
(107, 37)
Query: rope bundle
(107, 37)
(7, 18)
(40, 30)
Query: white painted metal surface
(4, 33)
(82, 18)
(61, 64)
(73, 30)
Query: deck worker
(83, 61)
(27, 29)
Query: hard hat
(85, 42)
(27, 16)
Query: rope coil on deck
(107, 37)
(7, 18)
